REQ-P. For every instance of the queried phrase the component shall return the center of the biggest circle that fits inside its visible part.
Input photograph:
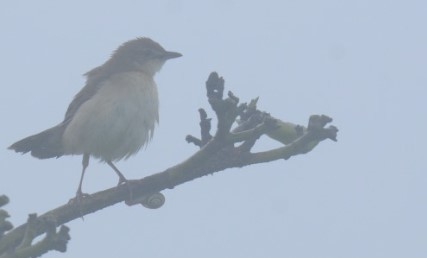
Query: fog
(360, 62)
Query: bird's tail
(44, 145)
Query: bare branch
(216, 154)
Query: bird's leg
(79, 193)
(122, 178)
(85, 164)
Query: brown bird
(113, 115)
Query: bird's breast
(117, 121)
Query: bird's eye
(149, 53)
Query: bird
(113, 116)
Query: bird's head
(142, 54)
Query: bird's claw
(123, 180)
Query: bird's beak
(169, 55)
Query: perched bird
(113, 115)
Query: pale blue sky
(361, 62)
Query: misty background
(361, 62)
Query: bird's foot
(77, 200)
(123, 180)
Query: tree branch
(216, 154)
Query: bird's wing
(93, 84)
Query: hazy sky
(361, 62)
